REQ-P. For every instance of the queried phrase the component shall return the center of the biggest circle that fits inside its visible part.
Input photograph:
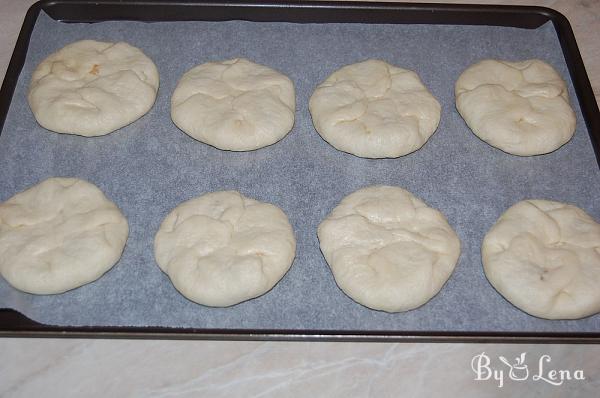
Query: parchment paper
(149, 167)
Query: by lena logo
(519, 370)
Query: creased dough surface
(519, 107)
(544, 257)
(387, 249)
(58, 235)
(373, 109)
(235, 105)
(92, 88)
(222, 248)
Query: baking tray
(13, 323)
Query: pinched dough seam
(367, 97)
(244, 206)
(374, 251)
(336, 83)
(560, 242)
(434, 266)
(70, 235)
(371, 99)
(56, 214)
(232, 88)
(525, 67)
(365, 112)
(60, 213)
(90, 84)
(525, 118)
(230, 97)
(563, 289)
(78, 91)
(233, 231)
(71, 103)
(391, 230)
(358, 118)
(227, 267)
(514, 92)
(255, 255)
(542, 270)
(231, 101)
(513, 65)
(62, 62)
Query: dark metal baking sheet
(523, 17)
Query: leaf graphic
(503, 359)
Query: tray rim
(15, 324)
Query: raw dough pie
(520, 107)
(58, 235)
(374, 110)
(222, 248)
(544, 257)
(387, 249)
(92, 88)
(235, 105)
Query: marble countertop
(147, 368)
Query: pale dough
(236, 105)
(387, 249)
(519, 107)
(544, 257)
(92, 88)
(58, 235)
(374, 110)
(222, 248)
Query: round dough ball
(544, 257)
(387, 249)
(58, 235)
(222, 248)
(235, 105)
(519, 107)
(92, 88)
(374, 110)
